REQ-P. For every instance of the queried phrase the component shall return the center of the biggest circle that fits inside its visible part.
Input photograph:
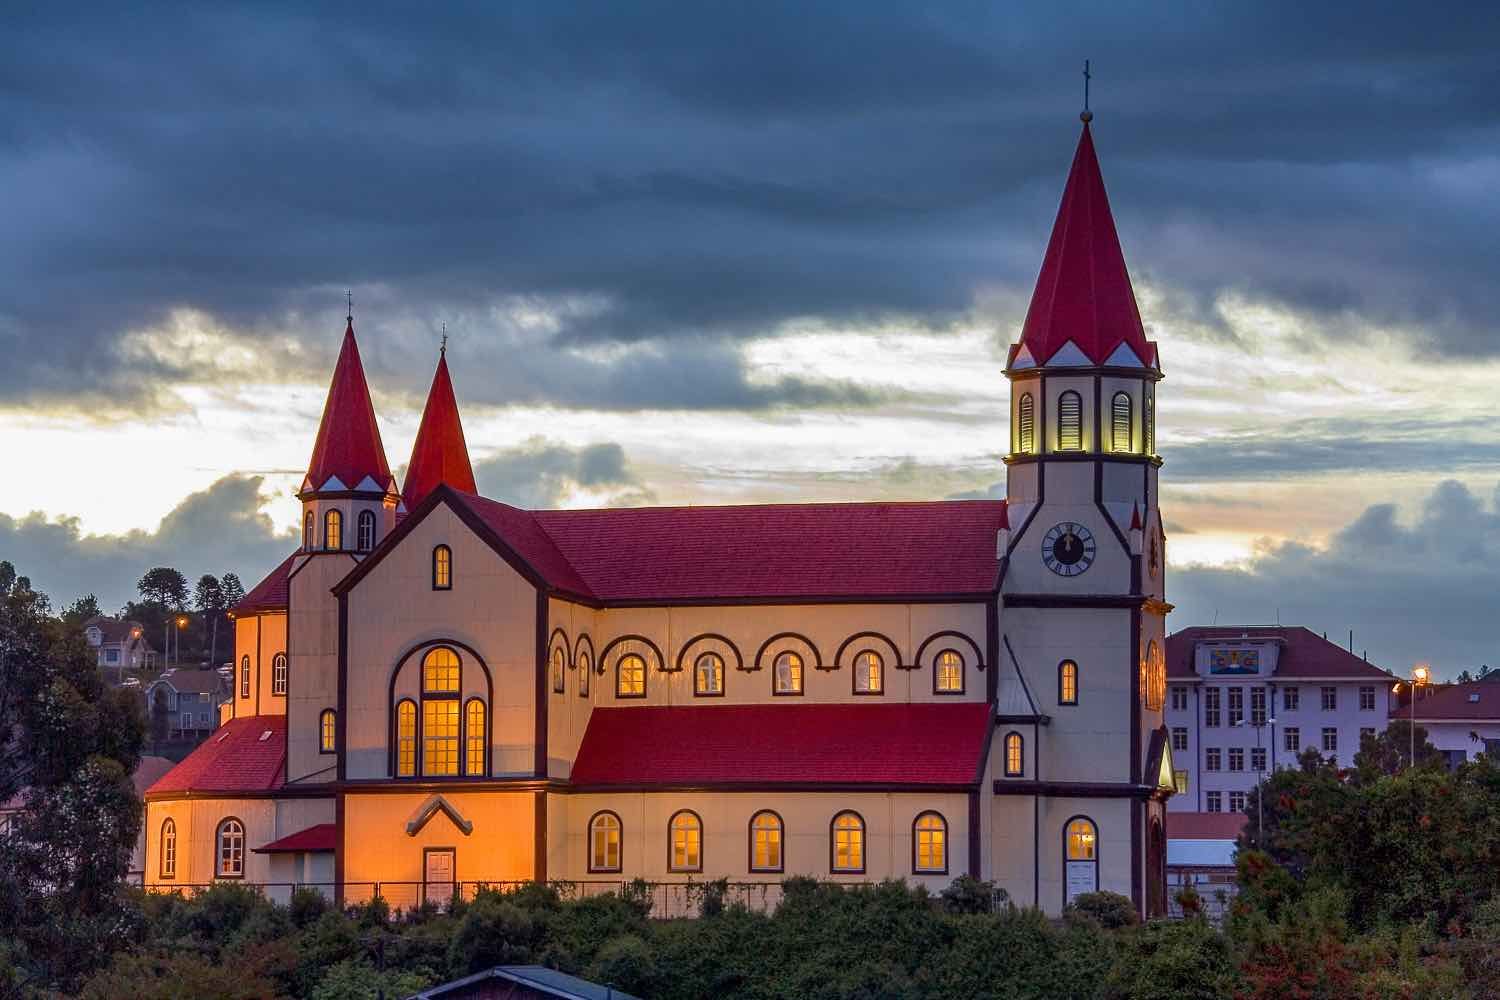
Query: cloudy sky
(769, 252)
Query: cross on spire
(349, 301)
(443, 351)
(1087, 115)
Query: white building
(1462, 720)
(119, 645)
(1245, 700)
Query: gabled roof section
(243, 755)
(440, 454)
(1458, 703)
(1083, 294)
(877, 745)
(269, 594)
(1304, 653)
(323, 837)
(348, 449)
(185, 680)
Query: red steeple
(1083, 293)
(439, 454)
(348, 448)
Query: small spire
(443, 351)
(1087, 115)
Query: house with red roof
(439, 689)
(1462, 720)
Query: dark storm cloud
(542, 474)
(704, 173)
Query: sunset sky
(771, 252)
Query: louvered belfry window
(1026, 425)
(1120, 423)
(1070, 421)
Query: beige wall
(198, 821)
(259, 637)
(313, 647)
(1111, 818)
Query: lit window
(278, 674)
(604, 843)
(1154, 680)
(1120, 423)
(245, 676)
(442, 568)
(364, 534)
(1026, 425)
(930, 843)
(1067, 683)
(585, 668)
(440, 671)
(630, 677)
(439, 736)
(327, 731)
(765, 842)
(1069, 421)
(168, 849)
(474, 737)
(950, 672)
(848, 843)
(686, 832)
(868, 673)
(231, 841)
(1150, 418)
(1083, 840)
(307, 531)
(1015, 756)
(708, 674)
(1180, 782)
(333, 530)
(406, 739)
(559, 671)
(788, 673)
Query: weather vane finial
(1087, 115)
(349, 301)
(443, 351)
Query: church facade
(439, 688)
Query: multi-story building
(187, 701)
(119, 645)
(1245, 700)
(1462, 720)
(439, 688)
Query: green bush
(1109, 910)
(493, 931)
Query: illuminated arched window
(869, 673)
(1015, 755)
(278, 674)
(604, 842)
(474, 737)
(442, 568)
(787, 673)
(929, 844)
(630, 676)
(847, 846)
(1067, 683)
(245, 676)
(1153, 677)
(1026, 424)
(765, 842)
(230, 840)
(308, 538)
(1080, 858)
(585, 669)
(1069, 421)
(708, 674)
(440, 737)
(168, 849)
(949, 676)
(685, 832)
(559, 671)
(1120, 423)
(328, 731)
(364, 534)
(1083, 840)
(406, 739)
(333, 530)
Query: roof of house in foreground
(536, 979)
(1304, 653)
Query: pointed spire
(348, 454)
(1083, 293)
(439, 455)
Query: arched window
(787, 673)
(630, 677)
(278, 674)
(585, 669)
(604, 842)
(1026, 425)
(333, 530)
(559, 671)
(328, 731)
(440, 687)
(1120, 423)
(168, 852)
(442, 568)
(1067, 683)
(929, 844)
(949, 673)
(1080, 858)
(847, 843)
(245, 676)
(708, 674)
(1154, 674)
(869, 675)
(1069, 421)
(307, 531)
(364, 535)
(406, 739)
(765, 842)
(685, 833)
(474, 737)
(1015, 755)
(1148, 415)
(231, 849)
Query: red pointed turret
(348, 454)
(439, 454)
(1083, 294)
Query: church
(437, 689)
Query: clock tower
(1082, 586)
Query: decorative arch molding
(390, 697)
(581, 645)
(710, 642)
(632, 643)
(860, 641)
(967, 644)
(559, 638)
(794, 641)
(430, 808)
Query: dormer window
(1070, 422)
(364, 537)
(333, 530)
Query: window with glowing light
(168, 844)
(1120, 423)
(474, 737)
(1026, 425)
(406, 739)
(1149, 414)
(765, 842)
(1154, 679)
(708, 674)
(950, 673)
(333, 530)
(585, 670)
(604, 842)
(231, 849)
(442, 568)
(278, 674)
(868, 673)
(685, 832)
(327, 731)
(1070, 421)
(1067, 683)
(630, 676)
(440, 712)
(1083, 840)
(1015, 755)
(559, 671)
(787, 673)
(848, 847)
(930, 844)
(364, 531)
(440, 671)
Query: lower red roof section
(322, 837)
(270, 593)
(864, 744)
(1205, 826)
(243, 755)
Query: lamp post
(1260, 827)
(1418, 678)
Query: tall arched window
(559, 671)
(442, 568)
(685, 833)
(786, 673)
(168, 849)
(231, 849)
(328, 731)
(630, 676)
(474, 737)
(1069, 421)
(1026, 424)
(406, 739)
(245, 676)
(440, 688)
(1067, 683)
(1119, 424)
(948, 676)
(869, 673)
(604, 842)
(847, 843)
(929, 844)
(1080, 858)
(765, 842)
(308, 538)
(1153, 677)
(333, 530)
(585, 669)
(364, 535)
(278, 674)
(708, 674)
(1015, 755)
(1148, 419)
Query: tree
(1389, 752)
(234, 591)
(209, 599)
(80, 611)
(165, 586)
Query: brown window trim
(917, 869)
(366, 517)
(672, 820)
(723, 675)
(645, 677)
(1060, 665)
(416, 731)
(442, 586)
(585, 666)
(589, 843)
(245, 676)
(285, 675)
(781, 843)
(161, 854)
(219, 848)
(963, 673)
(333, 516)
(802, 675)
(854, 675)
(1005, 750)
(335, 748)
(864, 846)
(484, 737)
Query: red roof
(1303, 653)
(892, 744)
(323, 837)
(1459, 702)
(1083, 293)
(348, 445)
(439, 454)
(269, 594)
(239, 756)
(149, 771)
(1205, 826)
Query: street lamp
(1260, 827)
(1419, 675)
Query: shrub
(625, 963)
(306, 906)
(493, 931)
(967, 894)
(1109, 910)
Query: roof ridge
(759, 506)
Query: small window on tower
(333, 530)
(1026, 425)
(1070, 421)
(365, 534)
(307, 531)
(1120, 423)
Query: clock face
(1068, 549)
